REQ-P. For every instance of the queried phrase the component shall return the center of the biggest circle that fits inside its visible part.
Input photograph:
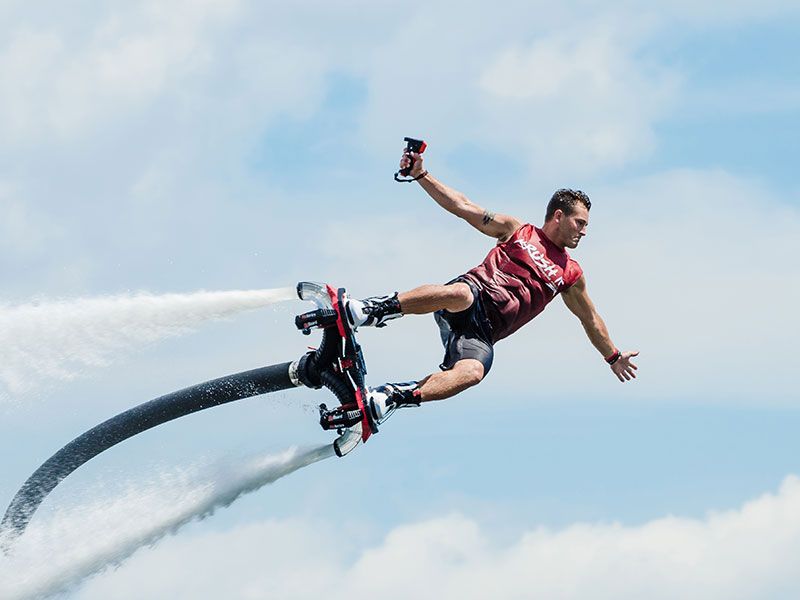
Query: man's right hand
(405, 161)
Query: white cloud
(160, 110)
(138, 117)
(74, 82)
(24, 232)
(27, 56)
(746, 553)
(578, 100)
(572, 92)
(235, 62)
(717, 13)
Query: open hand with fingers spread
(624, 368)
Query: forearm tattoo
(488, 217)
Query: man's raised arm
(577, 300)
(497, 226)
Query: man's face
(571, 228)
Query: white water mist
(56, 553)
(50, 341)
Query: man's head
(567, 217)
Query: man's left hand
(623, 368)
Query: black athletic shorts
(466, 334)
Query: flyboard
(337, 364)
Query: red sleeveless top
(519, 277)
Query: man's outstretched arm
(577, 300)
(494, 225)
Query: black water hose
(309, 371)
(343, 393)
(134, 421)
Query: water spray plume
(56, 554)
(57, 340)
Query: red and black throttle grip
(412, 145)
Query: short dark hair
(566, 199)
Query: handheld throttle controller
(412, 145)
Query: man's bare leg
(376, 310)
(445, 384)
(430, 298)
(465, 373)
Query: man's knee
(460, 296)
(470, 371)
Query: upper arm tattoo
(488, 217)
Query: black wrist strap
(410, 179)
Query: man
(527, 268)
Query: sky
(171, 147)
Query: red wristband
(614, 357)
